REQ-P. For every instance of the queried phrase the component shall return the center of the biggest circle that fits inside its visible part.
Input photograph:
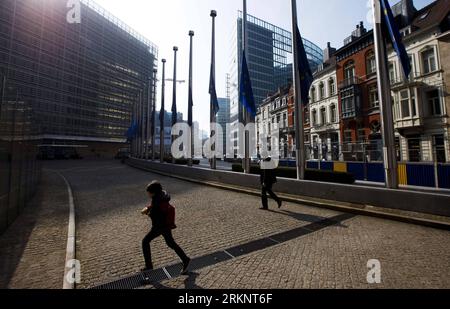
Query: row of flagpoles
(384, 26)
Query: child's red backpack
(169, 211)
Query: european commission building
(77, 81)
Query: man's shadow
(189, 283)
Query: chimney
(408, 11)
(328, 52)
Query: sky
(167, 22)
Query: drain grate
(157, 275)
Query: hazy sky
(167, 23)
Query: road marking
(70, 249)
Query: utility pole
(213, 72)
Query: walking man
(162, 215)
(268, 179)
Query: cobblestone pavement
(108, 198)
(33, 249)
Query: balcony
(352, 81)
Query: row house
(421, 101)
(323, 111)
(273, 114)
(360, 123)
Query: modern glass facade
(81, 80)
(268, 50)
(63, 86)
(223, 118)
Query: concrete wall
(430, 203)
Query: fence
(432, 175)
(19, 168)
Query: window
(333, 113)
(434, 103)
(349, 70)
(347, 136)
(361, 135)
(414, 151)
(392, 72)
(348, 104)
(413, 103)
(321, 91)
(371, 64)
(439, 148)
(373, 97)
(314, 117)
(323, 115)
(429, 61)
(313, 94)
(332, 86)
(404, 104)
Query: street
(108, 199)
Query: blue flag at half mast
(246, 91)
(305, 73)
(132, 130)
(212, 91)
(395, 36)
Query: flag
(305, 73)
(245, 89)
(212, 91)
(132, 130)
(190, 105)
(395, 36)
(162, 115)
(174, 112)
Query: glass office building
(269, 52)
(80, 80)
(223, 118)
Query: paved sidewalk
(32, 250)
(109, 196)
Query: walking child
(162, 215)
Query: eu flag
(212, 91)
(132, 130)
(396, 38)
(246, 91)
(305, 73)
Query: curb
(71, 235)
(364, 210)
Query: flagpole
(384, 91)
(155, 76)
(213, 72)
(147, 122)
(190, 103)
(162, 114)
(299, 125)
(141, 100)
(174, 95)
(247, 116)
(135, 121)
